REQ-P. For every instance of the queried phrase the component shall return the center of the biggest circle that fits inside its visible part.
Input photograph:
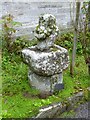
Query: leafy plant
(8, 31)
(23, 42)
(66, 41)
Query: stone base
(46, 84)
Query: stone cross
(46, 61)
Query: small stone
(59, 87)
(80, 89)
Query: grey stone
(82, 111)
(50, 111)
(44, 83)
(46, 60)
(56, 109)
(46, 44)
(59, 87)
(46, 31)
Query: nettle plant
(8, 30)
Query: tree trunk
(75, 38)
(89, 69)
(87, 60)
(89, 40)
(89, 16)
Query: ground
(20, 100)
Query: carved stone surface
(46, 31)
(46, 63)
(44, 83)
(46, 60)
(46, 27)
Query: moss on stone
(54, 49)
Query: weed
(8, 30)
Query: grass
(0, 86)
(20, 99)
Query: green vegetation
(0, 87)
(66, 41)
(20, 100)
(69, 114)
(8, 30)
(7, 36)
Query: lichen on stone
(46, 60)
(46, 27)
